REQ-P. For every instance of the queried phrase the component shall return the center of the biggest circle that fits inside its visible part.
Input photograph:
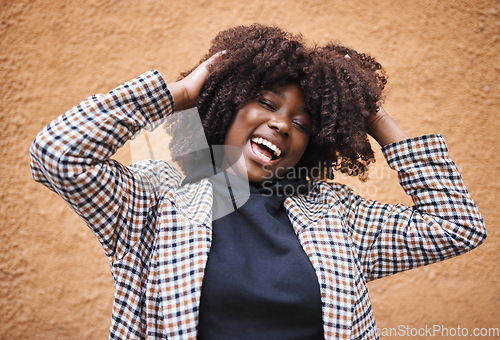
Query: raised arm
(443, 222)
(71, 156)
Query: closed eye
(267, 104)
(301, 126)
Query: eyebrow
(281, 95)
(276, 92)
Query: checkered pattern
(157, 235)
(351, 240)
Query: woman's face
(272, 133)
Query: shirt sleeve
(71, 156)
(443, 222)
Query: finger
(202, 69)
(214, 57)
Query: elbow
(36, 157)
(482, 233)
(477, 234)
(36, 161)
(41, 158)
(35, 151)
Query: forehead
(285, 86)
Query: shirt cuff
(408, 152)
(151, 97)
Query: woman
(283, 265)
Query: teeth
(259, 140)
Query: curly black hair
(342, 90)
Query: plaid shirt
(157, 234)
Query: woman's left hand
(384, 129)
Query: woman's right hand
(186, 91)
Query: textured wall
(442, 59)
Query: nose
(279, 124)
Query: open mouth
(265, 149)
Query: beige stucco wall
(442, 59)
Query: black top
(259, 283)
